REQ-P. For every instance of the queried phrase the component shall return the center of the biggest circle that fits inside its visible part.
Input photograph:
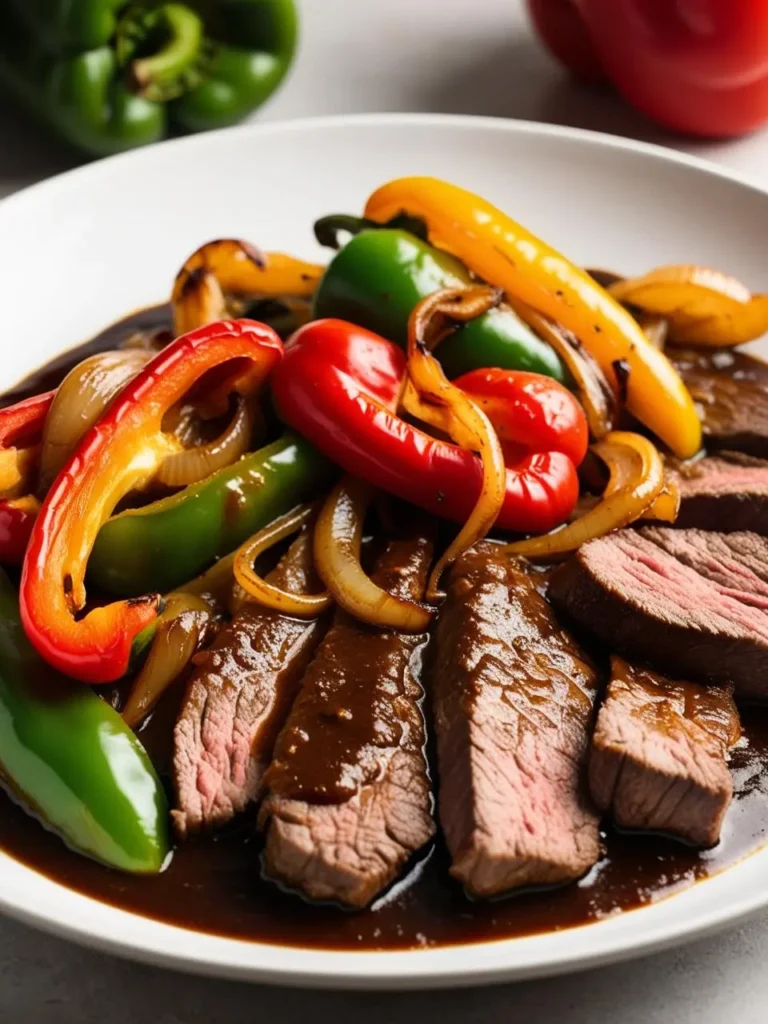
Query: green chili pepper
(108, 75)
(70, 760)
(380, 275)
(162, 545)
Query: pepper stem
(162, 51)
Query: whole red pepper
(21, 428)
(340, 386)
(120, 453)
(696, 66)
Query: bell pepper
(340, 386)
(107, 75)
(21, 428)
(699, 68)
(163, 545)
(68, 758)
(504, 253)
(378, 278)
(121, 453)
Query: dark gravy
(214, 885)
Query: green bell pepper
(108, 75)
(69, 759)
(162, 545)
(378, 277)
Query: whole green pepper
(162, 545)
(380, 275)
(69, 759)
(108, 75)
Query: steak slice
(658, 756)
(513, 697)
(237, 700)
(731, 394)
(349, 798)
(691, 602)
(727, 492)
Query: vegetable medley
(445, 356)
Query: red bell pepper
(340, 386)
(696, 66)
(21, 428)
(120, 453)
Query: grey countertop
(420, 55)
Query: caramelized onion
(193, 464)
(598, 399)
(338, 536)
(231, 267)
(181, 628)
(81, 399)
(17, 468)
(655, 328)
(636, 481)
(302, 606)
(703, 306)
(435, 400)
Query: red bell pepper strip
(340, 386)
(120, 453)
(21, 428)
(17, 517)
(697, 67)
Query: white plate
(84, 248)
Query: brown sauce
(214, 885)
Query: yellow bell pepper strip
(231, 267)
(120, 453)
(503, 253)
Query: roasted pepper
(21, 428)
(340, 386)
(162, 545)
(378, 278)
(68, 758)
(503, 253)
(123, 452)
(108, 75)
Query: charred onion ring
(338, 536)
(435, 400)
(301, 606)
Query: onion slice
(301, 606)
(231, 267)
(432, 398)
(190, 465)
(703, 306)
(81, 399)
(181, 628)
(338, 537)
(600, 402)
(636, 481)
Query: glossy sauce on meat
(214, 884)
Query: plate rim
(407, 969)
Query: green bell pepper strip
(162, 545)
(380, 275)
(108, 75)
(68, 758)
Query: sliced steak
(658, 756)
(513, 698)
(349, 799)
(727, 492)
(237, 701)
(691, 602)
(731, 394)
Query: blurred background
(486, 58)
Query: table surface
(400, 55)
